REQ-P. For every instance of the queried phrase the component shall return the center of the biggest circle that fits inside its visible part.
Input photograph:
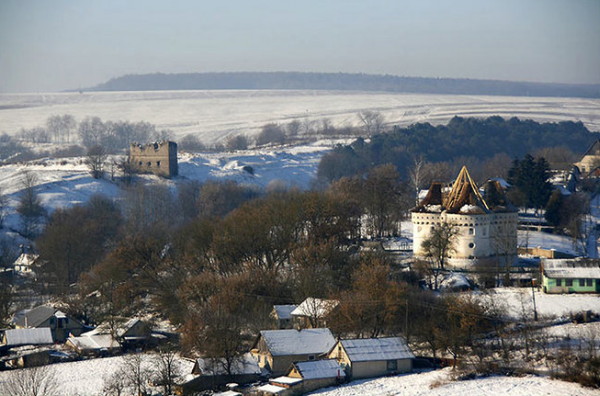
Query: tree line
(465, 140)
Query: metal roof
(284, 311)
(579, 268)
(34, 317)
(315, 307)
(246, 364)
(318, 369)
(94, 342)
(298, 342)
(372, 349)
(18, 337)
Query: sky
(56, 45)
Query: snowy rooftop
(247, 364)
(318, 369)
(18, 337)
(286, 380)
(315, 307)
(298, 342)
(94, 342)
(284, 311)
(272, 389)
(571, 268)
(369, 349)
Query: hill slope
(341, 81)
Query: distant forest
(463, 139)
(342, 81)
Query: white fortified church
(486, 224)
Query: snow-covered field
(87, 377)
(421, 384)
(519, 303)
(214, 115)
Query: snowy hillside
(436, 383)
(214, 115)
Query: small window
(149, 164)
(311, 357)
(471, 245)
(471, 231)
(558, 282)
(588, 282)
(582, 282)
(140, 163)
(158, 164)
(392, 365)
(568, 282)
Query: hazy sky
(66, 44)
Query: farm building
(373, 357)
(60, 324)
(214, 373)
(304, 377)
(159, 158)
(276, 350)
(283, 315)
(590, 159)
(313, 313)
(486, 226)
(579, 275)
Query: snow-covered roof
(26, 259)
(121, 329)
(571, 268)
(298, 342)
(228, 393)
(17, 337)
(372, 349)
(315, 307)
(317, 369)
(34, 317)
(246, 364)
(286, 380)
(284, 311)
(272, 389)
(94, 342)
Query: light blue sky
(65, 44)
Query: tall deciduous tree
(30, 207)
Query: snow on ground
(214, 115)
(419, 384)
(519, 302)
(87, 377)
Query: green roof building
(579, 275)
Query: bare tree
(30, 207)
(34, 381)
(167, 369)
(372, 121)
(96, 157)
(417, 174)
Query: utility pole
(406, 322)
(535, 315)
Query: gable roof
(464, 192)
(318, 369)
(571, 268)
(315, 307)
(373, 349)
(121, 329)
(94, 342)
(246, 364)
(18, 337)
(594, 149)
(34, 317)
(298, 342)
(283, 311)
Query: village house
(313, 313)
(486, 226)
(94, 344)
(61, 325)
(282, 314)
(578, 275)
(590, 159)
(373, 357)
(214, 373)
(304, 377)
(159, 158)
(276, 350)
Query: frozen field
(213, 115)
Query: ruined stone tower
(159, 158)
